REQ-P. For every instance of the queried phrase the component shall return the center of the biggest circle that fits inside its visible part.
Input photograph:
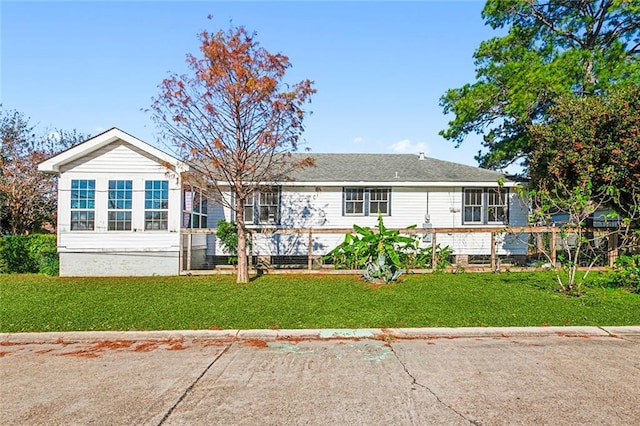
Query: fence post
(189, 241)
(613, 249)
(310, 251)
(493, 251)
(434, 255)
(553, 247)
(181, 254)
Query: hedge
(35, 253)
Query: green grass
(39, 303)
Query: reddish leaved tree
(27, 196)
(235, 119)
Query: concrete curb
(317, 334)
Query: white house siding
(321, 208)
(103, 252)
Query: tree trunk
(243, 266)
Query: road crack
(192, 385)
(415, 382)
(616, 336)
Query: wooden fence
(611, 234)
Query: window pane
(119, 196)
(82, 220)
(155, 220)
(119, 221)
(354, 194)
(268, 214)
(472, 214)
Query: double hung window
(353, 201)
(473, 199)
(194, 209)
(379, 201)
(366, 201)
(263, 207)
(269, 202)
(485, 206)
(83, 205)
(119, 205)
(156, 205)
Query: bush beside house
(34, 253)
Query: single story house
(123, 207)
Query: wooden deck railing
(612, 248)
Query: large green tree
(591, 141)
(552, 48)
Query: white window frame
(194, 208)
(351, 201)
(367, 201)
(83, 205)
(484, 202)
(477, 206)
(119, 207)
(156, 208)
(386, 200)
(260, 210)
(493, 208)
(269, 207)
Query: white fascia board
(53, 164)
(508, 184)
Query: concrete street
(564, 375)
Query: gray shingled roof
(388, 168)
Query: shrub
(626, 272)
(384, 253)
(35, 253)
(227, 233)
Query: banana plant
(363, 249)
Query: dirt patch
(177, 346)
(583, 336)
(152, 345)
(82, 353)
(6, 343)
(60, 341)
(255, 343)
(2, 354)
(113, 344)
(146, 346)
(213, 342)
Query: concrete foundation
(114, 264)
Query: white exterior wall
(103, 252)
(321, 207)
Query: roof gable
(55, 163)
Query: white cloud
(357, 140)
(405, 146)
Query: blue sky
(379, 67)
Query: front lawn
(39, 303)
